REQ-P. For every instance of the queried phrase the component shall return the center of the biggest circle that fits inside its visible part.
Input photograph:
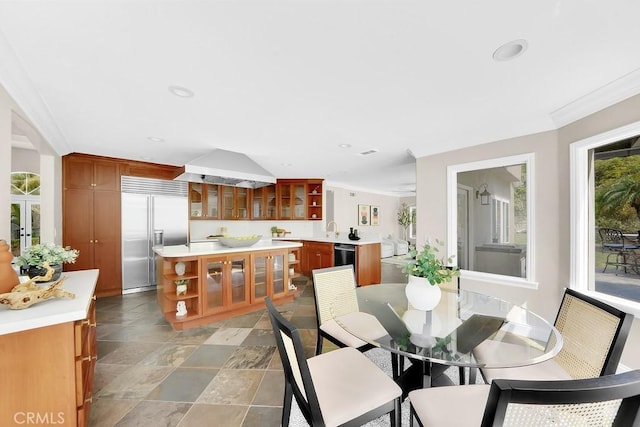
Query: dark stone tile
(105, 373)
(202, 415)
(130, 353)
(155, 414)
(260, 337)
(106, 347)
(194, 335)
(232, 387)
(271, 390)
(304, 322)
(107, 412)
(262, 417)
(169, 355)
(244, 321)
(250, 357)
(209, 356)
(183, 385)
(135, 383)
(143, 333)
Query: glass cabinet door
(257, 205)
(239, 278)
(270, 199)
(215, 276)
(212, 201)
(285, 201)
(277, 274)
(227, 202)
(300, 201)
(242, 203)
(260, 276)
(196, 199)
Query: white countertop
(216, 248)
(55, 310)
(330, 239)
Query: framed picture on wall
(364, 215)
(375, 215)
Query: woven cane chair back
(328, 284)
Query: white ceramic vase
(180, 268)
(421, 294)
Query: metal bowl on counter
(240, 241)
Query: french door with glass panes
(25, 223)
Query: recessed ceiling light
(365, 153)
(180, 91)
(344, 145)
(510, 50)
(155, 139)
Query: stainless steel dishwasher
(344, 254)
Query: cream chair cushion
(363, 324)
(458, 406)
(363, 386)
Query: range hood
(226, 168)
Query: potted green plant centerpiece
(426, 271)
(34, 257)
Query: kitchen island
(48, 355)
(217, 282)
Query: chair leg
(395, 415)
(286, 404)
(319, 344)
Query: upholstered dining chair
(610, 400)
(339, 388)
(593, 334)
(328, 284)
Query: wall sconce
(484, 194)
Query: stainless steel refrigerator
(150, 206)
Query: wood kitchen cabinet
(168, 297)
(270, 274)
(368, 267)
(318, 255)
(292, 199)
(314, 199)
(226, 282)
(264, 203)
(91, 219)
(48, 370)
(204, 201)
(235, 202)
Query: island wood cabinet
(168, 297)
(48, 373)
(91, 218)
(270, 278)
(222, 285)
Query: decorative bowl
(239, 242)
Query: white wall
(552, 215)
(5, 164)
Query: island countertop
(55, 310)
(216, 248)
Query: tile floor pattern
(226, 373)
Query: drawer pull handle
(89, 399)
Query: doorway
(25, 211)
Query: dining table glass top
(465, 328)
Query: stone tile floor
(223, 374)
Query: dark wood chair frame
(624, 386)
(310, 406)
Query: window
(412, 227)
(583, 244)
(490, 219)
(25, 211)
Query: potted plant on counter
(34, 257)
(426, 271)
(274, 231)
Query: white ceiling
(287, 81)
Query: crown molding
(601, 98)
(18, 85)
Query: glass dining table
(465, 329)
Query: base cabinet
(220, 286)
(48, 374)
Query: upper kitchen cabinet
(314, 199)
(235, 202)
(263, 203)
(292, 198)
(91, 173)
(300, 199)
(204, 201)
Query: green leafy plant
(427, 264)
(406, 217)
(181, 282)
(37, 255)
